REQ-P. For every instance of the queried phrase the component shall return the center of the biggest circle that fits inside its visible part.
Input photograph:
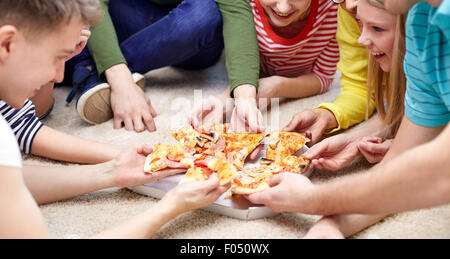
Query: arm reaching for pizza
(48, 184)
(338, 151)
(386, 188)
(185, 197)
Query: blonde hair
(37, 16)
(388, 88)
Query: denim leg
(189, 36)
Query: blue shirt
(427, 64)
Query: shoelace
(82, 77)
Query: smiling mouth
(378, 55)
(282, 16)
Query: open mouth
(378, 55)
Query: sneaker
(94, 103)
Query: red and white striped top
(314, 49)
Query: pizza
(167, 156)
(210, 149)
(196, 174)
(238, 145)
(284, 144)
(205, 139)
(294, 164)
(226, 172)
(253, 180)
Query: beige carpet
(171, 92)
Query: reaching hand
(246, 116)
(312, 123)
(130, 105)
(333, 153)
(210, 111)
(374, 149)
(288, 193)
(195, 194)
(128, 168)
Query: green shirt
(241, 45)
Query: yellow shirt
(349, 108)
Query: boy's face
(282, 13)
(377, 33)
(28, 64)
(402, 6)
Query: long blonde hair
(388, 88)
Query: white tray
(239, 208)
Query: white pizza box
(239, 208)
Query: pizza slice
(225, 171)
(283, 144)
(205, 139)
(294, 164)
(196, 174)
(167, 156)
(238, 145)
(253, 180)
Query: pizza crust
(245, 190)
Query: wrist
(245, 91)
(117, 75)
(328, 117)
(108, 174)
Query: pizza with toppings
(167, 156)
(206, 139)
(252, 180)
(238, 145)
(208, 150)
(284, 144)
(196, 174)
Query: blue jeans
(151, 36)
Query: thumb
(292, 124)
(315, 151)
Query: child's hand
(84, 37)
(374, 149)
(128, 168)
(312, 123)
(195, 194)
(333, 153)
(246, 116)
(210, 111)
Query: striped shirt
(314, 49)
(427, 64)
(23, 122)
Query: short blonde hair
(44, 15)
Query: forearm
(373, 127)
(350, 107)
(49, 184)
(103, 43)
(298, 87)
(144, 225)
(417, 178)
(72, 149)
(241, 44)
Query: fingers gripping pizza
(167, 156)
